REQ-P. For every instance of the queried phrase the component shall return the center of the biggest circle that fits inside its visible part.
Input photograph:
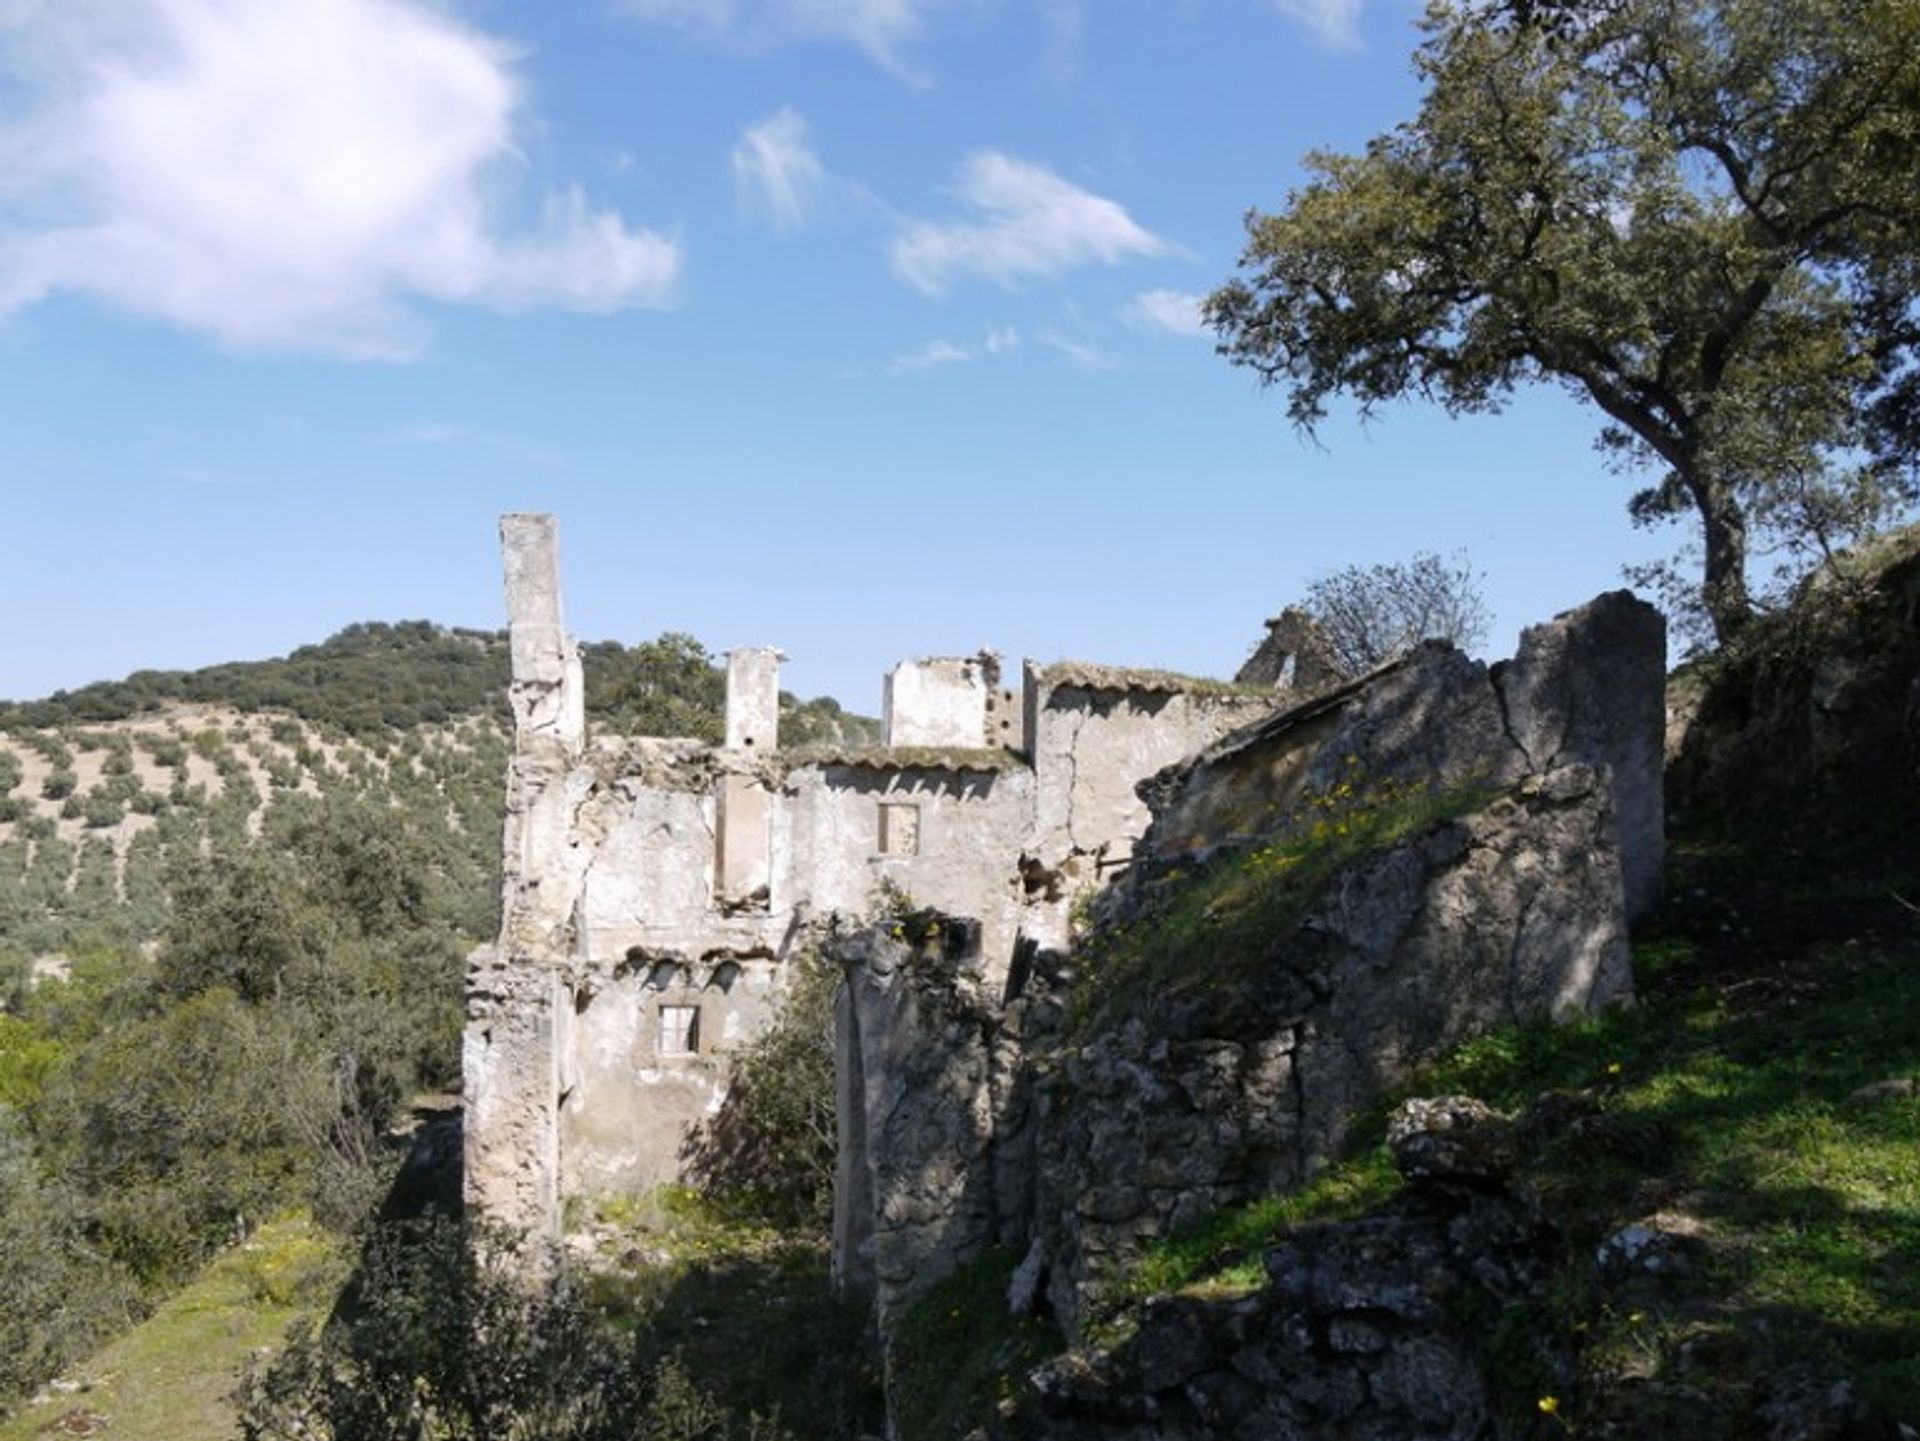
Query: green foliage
(1696, 217)
(697, 1283)
(177, 1130)
(59, 784)
(1223, 1251)
(768, 1153)
(375, 677)
(101, 810)
(957, 1352)
(448, 1336)
(59, 1295)
(10, 771)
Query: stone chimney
(546, 693)
(753, 698)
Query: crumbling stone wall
(1586, 688)
(657, 893)
(1180, 1104)
(1510, 912)
(934, 1105)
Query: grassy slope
(169, 1379)
(1763, 1097)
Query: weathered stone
(1589, 688)
(1295, 656)
(1508, 912)
(657, 893)
(1451, 1138)
(1357, 1336)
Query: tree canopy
(1697, 215)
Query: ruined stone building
(657, 892)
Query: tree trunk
(1724, 586)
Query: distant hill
(105, 790)
(374, 676)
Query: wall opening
(679, 1030)
(899, 828)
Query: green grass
(1224, 917)
(1221, 1254)
(957, 1353)
(171, 1377)
(1745, 1128)
(747, 1309)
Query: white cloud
(936, 353)
(776, 169)
(1173, 311)
(884, 30)
(1081, 353)
(1030, 224)
(291, 175)
(1335, 23)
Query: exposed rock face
(1589, 687)
(1586, 688)
(1811, 726)
(1510, 912)
(1360, 1331)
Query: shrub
(448, 1336)
(59, 1297)
(59, 784)
(768, 1153)
(179, 1130)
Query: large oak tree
(1698, 215)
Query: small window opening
(679, 1030)
(899, 828)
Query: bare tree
(1372, 613)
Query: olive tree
(1696, 215)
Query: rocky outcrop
(1498, 892)
(1586, 688)
(1233, 1090)
(1362, 1329)
(1810, 724)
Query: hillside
(102, 789)
(235, 905)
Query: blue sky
(861, 327)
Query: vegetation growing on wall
(1200, 921)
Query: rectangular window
(899, 828)
(679, 1030)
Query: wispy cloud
(884, 30)
(1083, 354)
(1174, 311)
(294, 175)
(1335, 23)
(776, 170)
(1027, 224)
(936, 353)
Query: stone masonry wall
(1225, 1090)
